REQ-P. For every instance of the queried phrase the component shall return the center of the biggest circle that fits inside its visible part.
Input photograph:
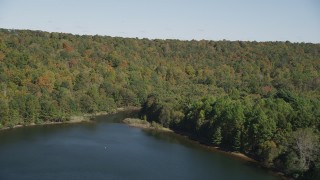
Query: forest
(258, 98)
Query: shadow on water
(173, 138)
(170, 137)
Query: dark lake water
(110, 150)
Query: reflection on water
(170, 137)
(105, 149)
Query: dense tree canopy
(262, 99)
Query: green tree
(237, 141)
(49, 110)
(260, 128)
(217, 137)
(87, 104)
(4, 111)
(268, 152)
(32, 110)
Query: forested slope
(262, 99)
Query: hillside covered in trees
(259, 98)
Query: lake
(107, 149)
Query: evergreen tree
(237, 141)
(217, 137)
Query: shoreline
(87, 117)
(203, 143)
(233, 154)
(242, 157)
(138, 123)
